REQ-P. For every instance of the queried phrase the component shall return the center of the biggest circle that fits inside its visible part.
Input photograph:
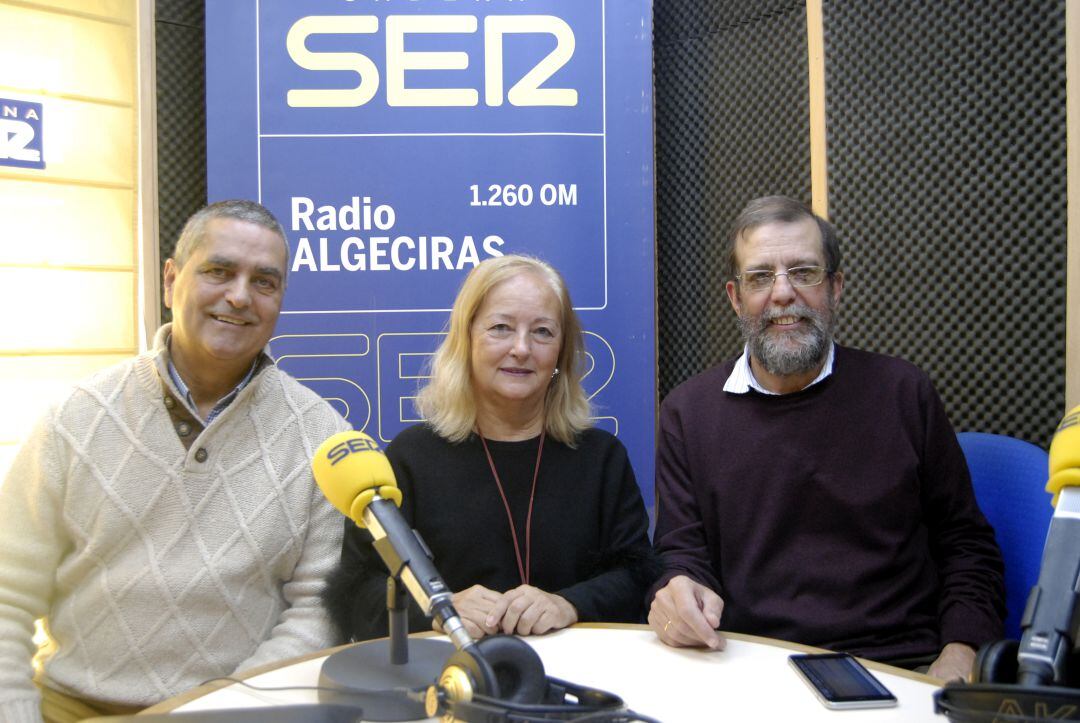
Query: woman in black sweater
(533, 517)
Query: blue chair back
(1009, 477)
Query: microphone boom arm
(408, 560)
(1051, 619)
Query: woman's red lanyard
(523, 569)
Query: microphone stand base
(363, 675)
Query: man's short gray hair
(194, 234)
(780, 209)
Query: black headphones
(993, 694)
(501, 678)
(996, 662)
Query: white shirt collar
(741, 380)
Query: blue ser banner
(401, 142)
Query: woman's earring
(555, 373)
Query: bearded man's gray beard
(789, 353)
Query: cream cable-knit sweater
(155, 570)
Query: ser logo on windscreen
(354, 444)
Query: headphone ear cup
(479, 677)
(518, 670)
(996, 662)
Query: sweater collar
(169, 374)
(741, 380)
(225, 401)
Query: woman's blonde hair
(447, 401)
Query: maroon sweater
(840, 516)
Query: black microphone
(1052, 615)
(356, 477)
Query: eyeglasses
(798, 276)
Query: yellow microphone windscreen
(350, 469)
(1065, 455)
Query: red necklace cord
(523, 570)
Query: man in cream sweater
(163, 519)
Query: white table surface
(750, 680)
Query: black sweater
(589, 528)
(840, 516)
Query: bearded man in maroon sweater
(814, 492)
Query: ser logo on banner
(20, 134)
(525, 92)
